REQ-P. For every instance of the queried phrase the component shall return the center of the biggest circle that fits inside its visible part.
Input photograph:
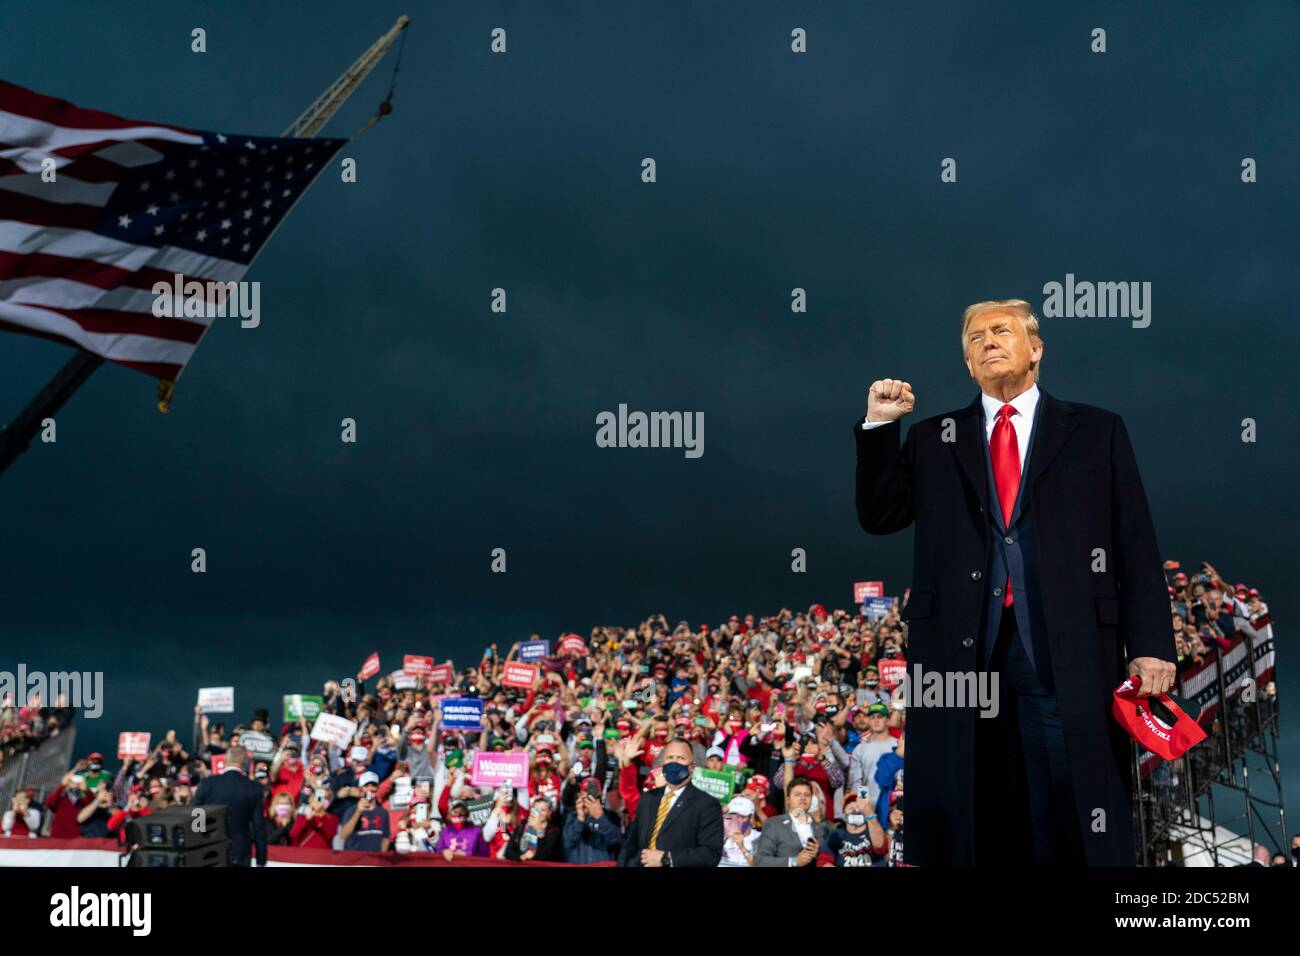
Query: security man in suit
(242, 799)
(678, 824)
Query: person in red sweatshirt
(137, 805)
(65, 803)
(287, 772)
(315, 828)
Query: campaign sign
(479, 810)
(534, 650)
(462, 713)
(405, 681)
(519, 675)
(573, 644)
(414, 664)
(302, 705)
(865, 589)
(401, 798)
(333, 729)
(370, 668)
(493, 769)
(720, 784)
(877, 607)
(132, 745)
(891, 672)
(442, 674)
(257, 744)
(217, 700)
(218, 763)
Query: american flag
(133, 203)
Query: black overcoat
(1083, 492)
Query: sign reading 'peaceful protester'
(462, 713)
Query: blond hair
(1017, 307)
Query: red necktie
(1006, 471)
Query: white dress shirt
(1022, 421)
(804, 830)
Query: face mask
(676, 773)
(856, 819)
(873, 684)
(281, 810)
(809, 759)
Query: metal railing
(41, 768)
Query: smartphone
(321, 795)
(630, 704)
(701, 721)
(645, 668)
(421, 812)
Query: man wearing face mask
(869, 691)
(677, 824)
(860, 842)
(67, 800)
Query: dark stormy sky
(476, 430)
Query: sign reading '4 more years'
(720, 784)
(534, 650)
(867, 589)
(519, 675)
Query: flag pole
(17, 434)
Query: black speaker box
(214, 854)
(179, 828)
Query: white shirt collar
(1024, 404)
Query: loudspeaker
(179, 828)
(215, 854)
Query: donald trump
(1035, 560)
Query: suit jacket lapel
(1055, 422)
(969, 449)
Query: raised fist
(889, 399)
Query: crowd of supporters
(25, 728)
(794, 712)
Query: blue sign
(462, 713)
(534, 650)
(877, 607)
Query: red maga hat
(1163, 723)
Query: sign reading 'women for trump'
(493, 770)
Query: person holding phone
(793, 838)
(538, 838)
(317, 827)
(591, 832)
(367, 827)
